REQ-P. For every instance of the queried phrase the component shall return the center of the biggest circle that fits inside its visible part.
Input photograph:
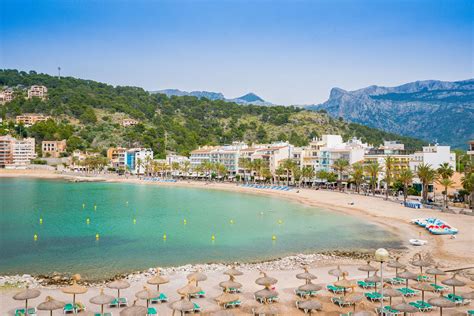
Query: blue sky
(288, 52)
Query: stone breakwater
(56, 279)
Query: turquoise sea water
(67, 243)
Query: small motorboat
(418, 242)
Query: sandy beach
(447, 252)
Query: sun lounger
(423, 278)
(69, 309)
(119, 302)
(470, 312)
(152, 311)
(407, 291)
(340, 301)
(197, 308)
(160, 299)
(198, 294)
(305, 293)
(365, 285)
(422, 306)
(438, 288)
(335, 289)
(395, 281)
(373, 296)
(104, 314)
(21, 311)
(233, 304)
(457, 299)
(232, 290)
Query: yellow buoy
(280, 221)
(97, 236)
(274, 237)
(231, 221)
(134, 221)
(164, 236)
(41, 220)
(213, 237)
(126, 202)
(35, 237)
(83, 205)
(88, 220)
(261, 213)
(95, 207)
(185, 221)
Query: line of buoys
(164, 236)
(88, 221)
(274, 237)
(35, 237)
(97, 236)
(41, 220)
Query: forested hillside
(89, 114)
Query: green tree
(288, 165)
(427, 176)
(357, 175)
(340, 166)
(446, 183)
(389, 165)
(406, 178)
(373, 169)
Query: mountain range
(249, 98)
(435, 111)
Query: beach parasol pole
(381, 255)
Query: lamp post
(381, 255)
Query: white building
(433, 155)
(334, 149)
(137, 158)
(16, 153)
(174, 158)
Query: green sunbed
(152, 311)
(407, 291)
(470, 312)
(422, 306)
(21, 311)
(197, 308)
(366, 285)
(340, 301)
(373, 296)
(423, 278)
(438, 288)
(233, 304)
(335, 289)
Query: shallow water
(243, 226)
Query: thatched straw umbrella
(26, 295)
(269, 309)
(102, 299)
(368, 268)
(75, 288)
(134, 310)
(344, 283)
(226, 298)
(310, 287)
(374, 279)
(157, 280)
(310, 305)
(147, 294)
(197, 276)
(182, 306)
(422, 286)
(266, 280)
(454, 282)
(468, 296)
(396, 264)
(435, 271)
(420, 262)
(441, 302)
(391, 292)
(50, 305)
(306, 275)
(265, 294)
(230, 284)
(233, 272)
(118, 285)
(353, 299)
(407, 275)
(189, 289)
(337, 272)
(405, 308)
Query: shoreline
(386, 214)
(447, 253)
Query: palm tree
(221, 170)
(357, 175)
(245, 164)
(307, 173)
(388, 174)
(427, 175)
(288, 165)
(406, 178)
(446, 183)
(257, 166)
(186, 166)
(278, 173)
(468, 185)
(373, 169)
(207, 167)
(340, 166)
(445, 171)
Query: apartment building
(470, 150)
(53, 148)
(16, 153)
(433, 155)
(334, 149)
(38, 92)
(30, 119)
(136, 159)
(117, 157)
(6, 96)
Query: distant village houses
(6, 96)
(38, 92)
(29, 119)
